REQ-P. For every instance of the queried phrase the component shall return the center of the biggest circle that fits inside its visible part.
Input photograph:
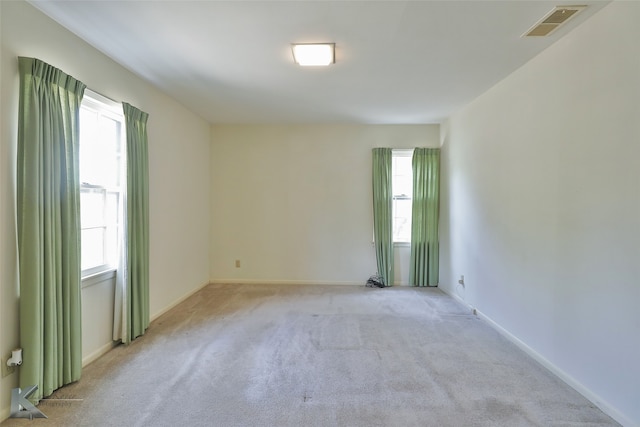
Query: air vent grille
(553, 20)
(559, 16)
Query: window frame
(395, 153)
(104, 107)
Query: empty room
(320, 213)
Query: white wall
(178, 167)
(293, 202)
(541, 207)
(98, 296)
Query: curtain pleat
(137, 218)
(423, 266)
(48, 219)
(383, 213)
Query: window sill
(95, 278)
(401, 244)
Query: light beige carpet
(263, 355)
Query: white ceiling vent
(553, 20)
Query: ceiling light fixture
(314, 54)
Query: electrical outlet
(237, 263)
(7, 370)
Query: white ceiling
(397, 62)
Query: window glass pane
(92, 248)
(111, 246)
(92, 208)
(111, 208)
(99, 149)
(101, 166)
(111, 212)
(110, 148)
(402, 177)
(402, 220)
(402, 186)
(88, 131)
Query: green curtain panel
(48, 217)
(383, 213)
(137, 218)
(423, 266)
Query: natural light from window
(101, 171)
(402, 185)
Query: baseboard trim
(178, 301)
(6, 412)
(457, 298)
(99, 352)
(284, 282)
(109, 346)
(568, 379)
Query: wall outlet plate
(7, 370)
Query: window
(402, 186)
(101, 175)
